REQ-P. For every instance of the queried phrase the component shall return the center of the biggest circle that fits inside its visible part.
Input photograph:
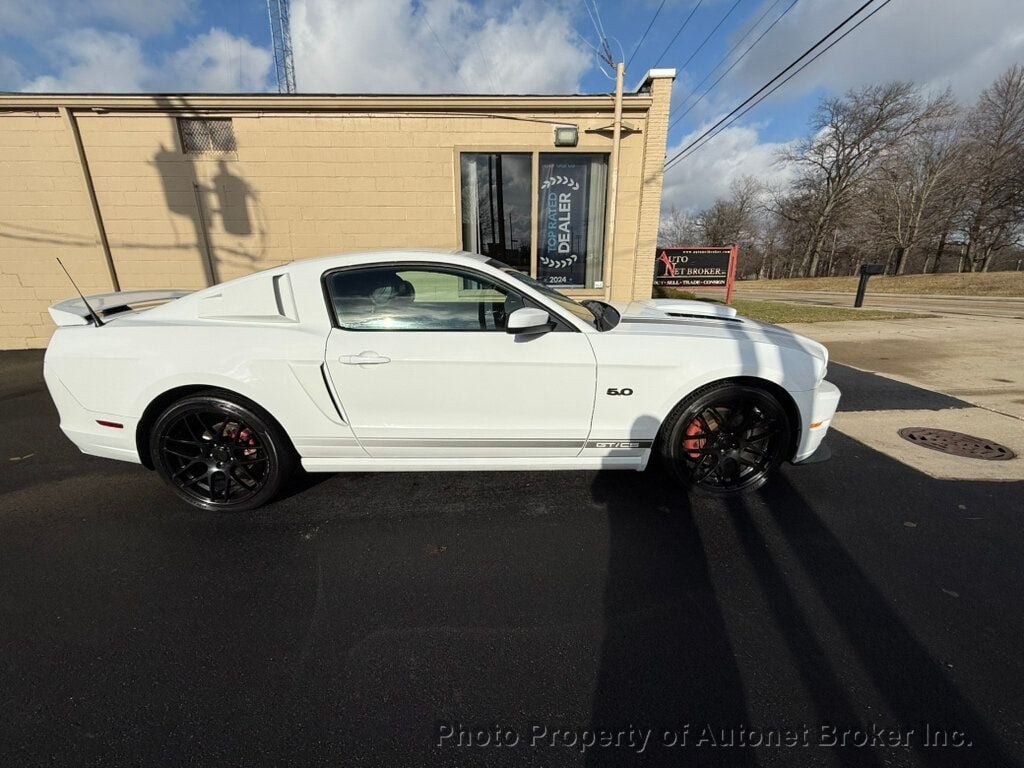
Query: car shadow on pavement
(678, 654)
(666, 660)
(899, 666)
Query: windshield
(584, 313)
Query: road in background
(365, 616)
(979, 306)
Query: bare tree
(886, 174)
(994, 150)
(907, 193)
(730, 220)
(848, 136)
(678, 228)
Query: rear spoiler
(75, 311)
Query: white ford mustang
(426, 361)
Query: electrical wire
(767, 85)
(709, 35)
(732, 50)
(446, 54)
(644, 35)
(678, 32)
(820, 53)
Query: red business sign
(697, 268)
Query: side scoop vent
(259, 299)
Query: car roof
(324, 263)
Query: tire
(220, 452)
(725, 439)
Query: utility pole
(613, 172)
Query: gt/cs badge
(615, 391)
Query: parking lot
(855, 612)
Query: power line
(446, 54)
(679, 31)
(710, 34)
(767, 85)
(600, 24)
(721, 61)
(731, 66)
(804, 66)
(644, 35)
(605, 54)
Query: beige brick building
(181, 191)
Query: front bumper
(817, 407)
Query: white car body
(400, 400)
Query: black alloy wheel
(726, 438)
(221, 453)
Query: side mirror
(528, 320)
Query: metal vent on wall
(204, 135)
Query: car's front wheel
(725, 438)
(221, 453)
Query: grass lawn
(776, 312)
(967, 284)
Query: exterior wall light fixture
(567, 135)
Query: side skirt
(474, 465)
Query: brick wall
(298, 186)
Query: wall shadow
(228, 203)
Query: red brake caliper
(245, 437)
(693, 445)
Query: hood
(701, 318)
(674, 308)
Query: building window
(496, 206)
(570, 204)
(202, 135)
(498, 209)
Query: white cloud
(933, 43)
(695, 182)
(94, 61)
(389, 46)
(217, 61)
(43, 19)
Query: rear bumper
(817, 407)
(82, 428)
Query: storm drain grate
(956, 443)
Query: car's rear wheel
(221, 453)
(726, 438)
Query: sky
(525, 46)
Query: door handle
(364, 358)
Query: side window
(419, 299)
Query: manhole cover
(956, 443)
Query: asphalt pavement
(855, 612)
(977, 306)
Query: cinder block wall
(44, 213)
(298, 186)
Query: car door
(423, 366)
